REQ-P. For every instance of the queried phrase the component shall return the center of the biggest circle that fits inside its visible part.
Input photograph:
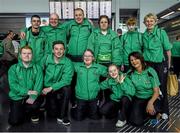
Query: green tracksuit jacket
(78, 35)
(154, 45)
(37, 43)
(87, 85)
(126, 88)
(57, 75)
(131, 42)
(107, 48)
(22, 79)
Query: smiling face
(58, 50)
(88, 58)
(150, 22)
(79, 16)
(113, 71)
(26, 55)
(136, 63)
(54, 20)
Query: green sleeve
(76, 66)
(91, 42)
(117, 52)
(38, 82)
(14, 82)
(105, 84)
(43, 61)
(165, 40)
(66, 77)
(23, 41)
(1, 49)
(128, 87)
(103, 71)
(154, 78)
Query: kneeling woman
(146, 82)
(87, 87)
(122, 91)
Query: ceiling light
(167, 14)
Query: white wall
(24, 6)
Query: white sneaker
(120, 123)
(59, 120)
(164, 116)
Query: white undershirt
(104, 32)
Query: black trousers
(110, 109)
(20, 110)
(104, 95)
(73, 58)
(85, 108)
(176, 65)
(138, 115)
(162, 71)
(57, 103)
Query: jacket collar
(50, 59)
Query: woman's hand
(150, 108)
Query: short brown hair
(26, 47)
(131, 21)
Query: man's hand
(22, 35)
(46, 90)
(30, 100)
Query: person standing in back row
(78, 32)
(105, 44)
(36, 39)
(130, 41)
(157, 53)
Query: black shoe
(66, 122)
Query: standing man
(25, 80)
(78, 32)
(54, 31)
(58, 75)
(36, 39)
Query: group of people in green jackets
(58, 59)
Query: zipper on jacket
(87, 82)
(77, 41)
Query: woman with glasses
(87, 87)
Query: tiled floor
(103, 125)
